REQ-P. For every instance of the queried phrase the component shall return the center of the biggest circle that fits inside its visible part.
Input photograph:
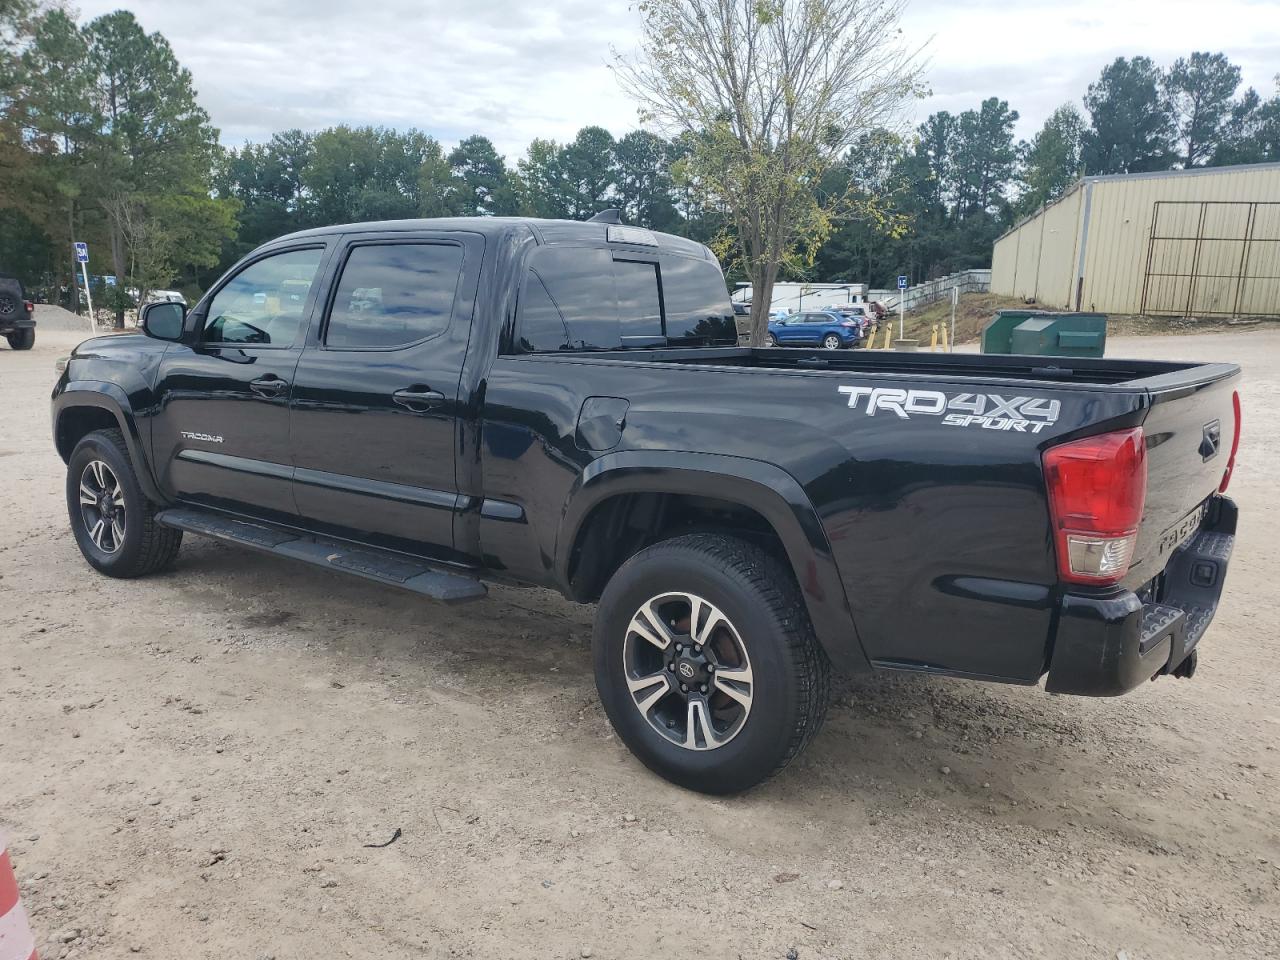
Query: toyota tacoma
(435, 404)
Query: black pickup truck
(435, 404)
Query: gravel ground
(54, 319)
(193, 766)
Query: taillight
(847, 323)
(1235, 444)
(30, 307)
(1097, 488)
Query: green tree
(1051, 160)
(266, 182)
(775, 92)
(1200, 90)
(438, 193)
(1252, 133)
(984, 157)
(154, 141)
(485, 184)
(1131, 121)
(364, 173)
(543, 185)
(644, 184)
(870, 249)
(588, 167)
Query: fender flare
(111, 397)
(767, 489)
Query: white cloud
(517, 70)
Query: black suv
(17, 321)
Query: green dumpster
(1042, 333)
(997, 334)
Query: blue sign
(902, 283)
(82, 252)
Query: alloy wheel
(102, 506)
(688, 671)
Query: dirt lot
(192, 765)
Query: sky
(514, 69)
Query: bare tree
(774, 93)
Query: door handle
(418, 398)
(269, 387)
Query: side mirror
(164, 321)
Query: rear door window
(583, 298)
(568, 302)
(394, 294)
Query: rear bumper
(1106, 645)
(15, 324)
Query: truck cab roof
(550, 232)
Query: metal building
(1202, 242)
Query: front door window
(262, 304)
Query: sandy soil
(192, 766)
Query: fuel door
(600, 423)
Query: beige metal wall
(1037, 259)
(1213, 225)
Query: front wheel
(706, 662)
(773, 340)
(831, 342)
(113, 521)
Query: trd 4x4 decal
(990, 411)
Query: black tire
(791, 673)
(773, 340)
(146, 547)
(831, 342)
(22, 339)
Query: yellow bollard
(888, 334)
(945, 347)
(933, 339)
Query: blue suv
(824, 328)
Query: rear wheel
(831, 342)
(706, 662)
(22, 339)
(113, 521)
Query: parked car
(166, 296)
(860, 312)
(744, 519)
(17, 314)
(824, 328)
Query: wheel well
(76, 423)
(622, 525)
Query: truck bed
(1083, 371)
(925, 469)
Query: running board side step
(380, 566)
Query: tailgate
(1189, 430)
